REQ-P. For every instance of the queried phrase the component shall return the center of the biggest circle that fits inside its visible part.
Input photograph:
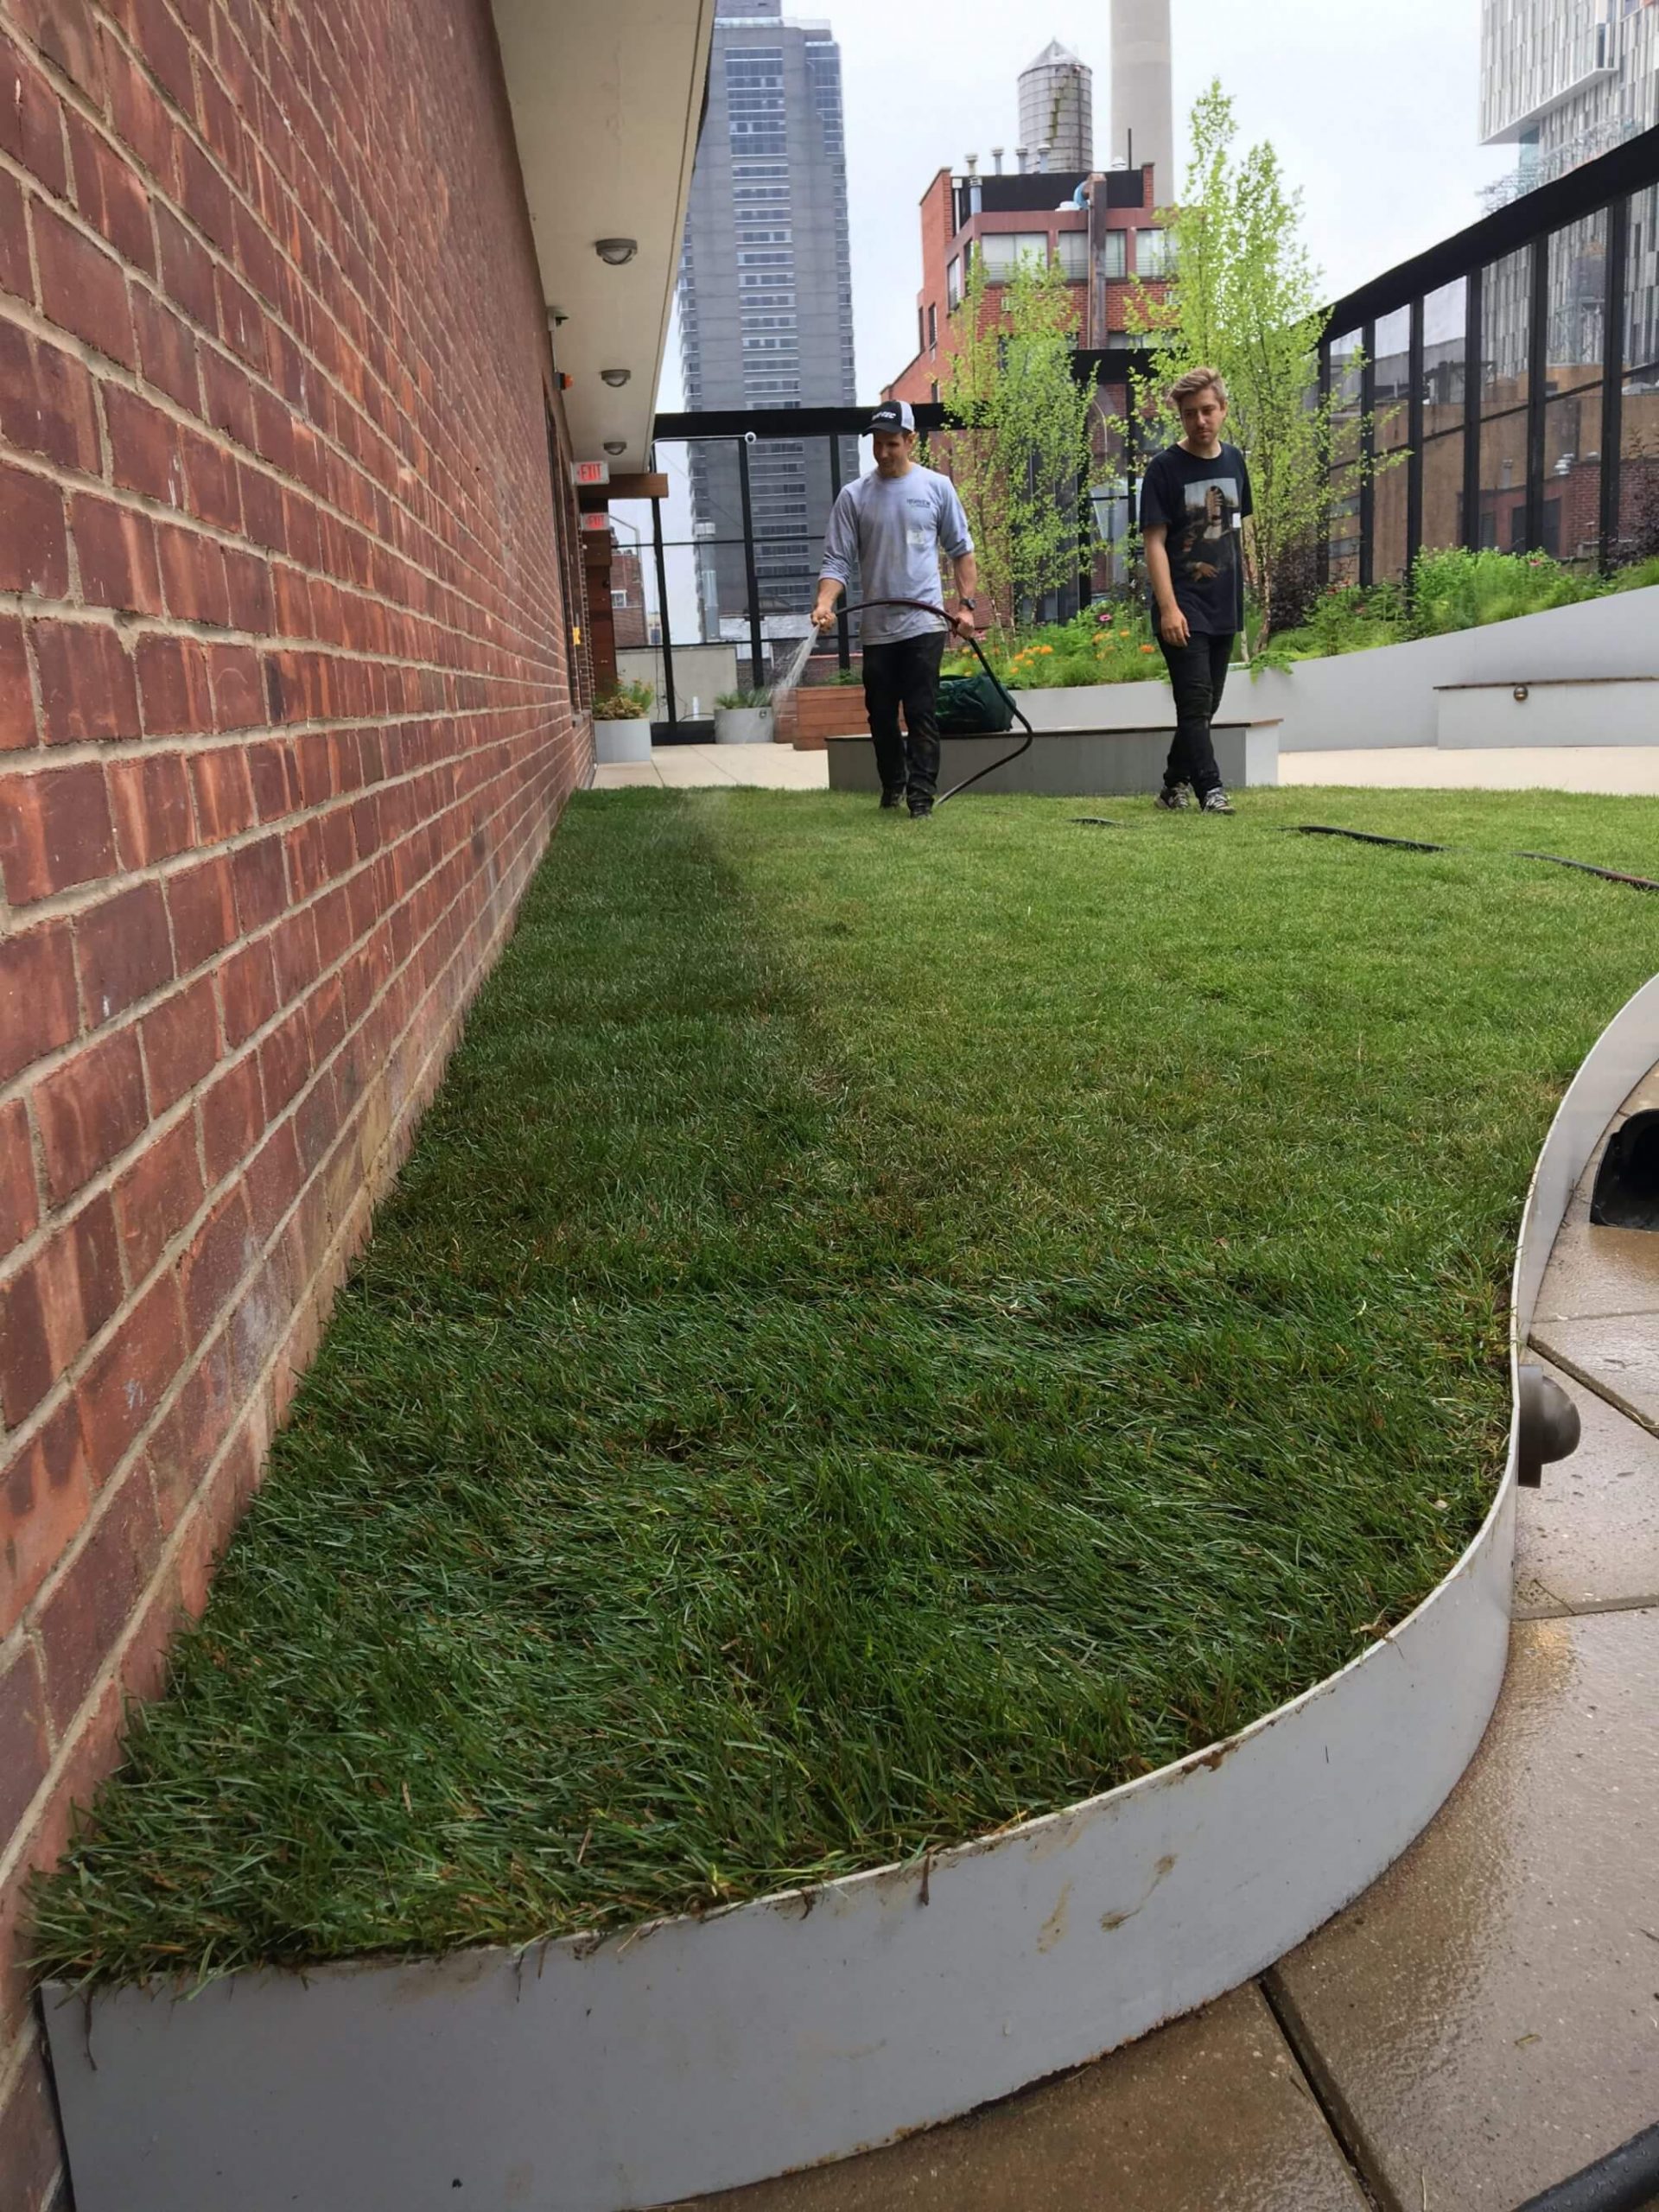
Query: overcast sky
(1373, 110)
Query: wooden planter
(827, 710)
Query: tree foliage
(1245, 298)
(1019, 443)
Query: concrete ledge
(1078, 763)
(1548, 711)
(686, 2056)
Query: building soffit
(607, 98)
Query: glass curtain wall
(1538, 440)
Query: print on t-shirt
(1205, 547)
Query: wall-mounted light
(617, 378)
(556, 316)
(615, 251)
(616, 445)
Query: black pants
(1198, 675)
(905, 673)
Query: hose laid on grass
(1416, 845)
(925, 606)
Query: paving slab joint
(1322, 2086)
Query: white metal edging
(587, 2075)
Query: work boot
(1216, 802)
(920, 809)
(891, 799)
(1173, 798)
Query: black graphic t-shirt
(1203, 505)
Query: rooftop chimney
(1020, 153)
(997, 155)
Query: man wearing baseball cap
(895, 522)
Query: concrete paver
(1210, 2115)
(1595, 1271)
(1616, 1354)
(1589, 1537)
(707, 768)
(1486, 2018)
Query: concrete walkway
(1615, 769)
(1484, 2021)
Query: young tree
(1245, 298)
(1019, 443)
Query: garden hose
(927, 607)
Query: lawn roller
(927, 607)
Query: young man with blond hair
(1193, 501)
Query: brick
(219, 1256)
(150, 800)
(201, 904)
(31, 122)
(173, 687)
(156, 1195)
(46, 401)
(89, 690)
(182, 1445)
(165, 48)
(285, 1059)
(232, 1112)
(167, 350)
(187, 272)
(275, 784)
(16, 276)
(262, 506)
(243, 322)
(205, 197)
(34, 546)
(125, 1382)
(54, 830)
(30, 2147)
(239, 693)
(136, 111)
(60, 1299)
(247, 992)
(110, 196)
(45, 1497)
(144, 447)
(19, 1206)
(26, 1370)
(88, 1110)
(116, 547)
(193, 575)
(123, 952)
(37, 995)
(180, 1042)
(248, 579)
(275, 1174)
(82, 288)
(81, 1619)
(224, 793)
(66, 34)
(17, 699)
(261, 885)
(23, 1754)
(210, 481)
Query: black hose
(927, 607)
(1626, 2180)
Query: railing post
(1612, 376)
(1366, 458)
(1414, 438)
(1473, 378)
(662, 609)
(843, 635)
(748, 561)
(1537, 387)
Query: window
(1113, 256)
(932, 327)
(934, 389)
(1072, 252)
(921, 330)
(1005, 249)
(618, 599)
(1154, 255)
(952, 286)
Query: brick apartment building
(293, 687)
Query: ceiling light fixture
(616, 445)
(615, 251)
(615, 377)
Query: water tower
(1057, 108)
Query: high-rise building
(765, 303)
(1565, 80)
(1057, 109)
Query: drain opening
(1626, 1195)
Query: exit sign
(595, 522)
(590, 472)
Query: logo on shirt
(1206, 545)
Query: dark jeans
(905, 673)
(1198, 675)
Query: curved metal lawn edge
(687, 2056)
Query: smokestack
(997, 155)
(1143, 113)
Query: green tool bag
(971, 706)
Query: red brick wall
(285, 724)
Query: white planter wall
(617, 743)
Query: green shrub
(1455, 590)
(624, 703)
(747, 694)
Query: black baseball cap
(892, 415)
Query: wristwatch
(968, 603)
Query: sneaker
(1216, 802)
(890, 800)
(1173, 798)
(920, 809)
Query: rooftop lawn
(885, 1328)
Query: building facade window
(932, 327)
(952, 285)
(1003, 251)
(1155, 253)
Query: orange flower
(1146, 649)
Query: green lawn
(885, 1328)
